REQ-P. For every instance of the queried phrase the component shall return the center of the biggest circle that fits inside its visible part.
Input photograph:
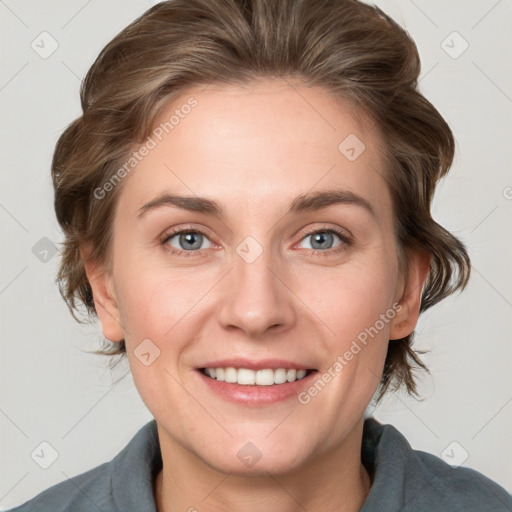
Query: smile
(248, 377)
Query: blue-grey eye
(322, 240)
(187, 240)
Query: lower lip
(256, 395)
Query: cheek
(152, 304)
(351, 298)
(354, 310)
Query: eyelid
(344, 233)
(169, 233)
(346, 240)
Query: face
(275, 285)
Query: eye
(185, 241)
(322, 240)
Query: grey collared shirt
(403, 480)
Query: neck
(334, 481)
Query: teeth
(301, 374)
(263, 377)
(230, 375)
(280, 376)
(246, 377)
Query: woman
(246, 205)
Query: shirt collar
(384, 453)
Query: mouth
(262, 377)
(255, 384)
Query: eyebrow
(304, 203)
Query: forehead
(268, 141)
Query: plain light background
(53, 391)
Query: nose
(257, 297)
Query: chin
(253, 458)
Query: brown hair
(353, 50)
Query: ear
(105, 301)
(409, 298)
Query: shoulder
(458, 488)
(124, 483)
(413, 480)
(87, 491)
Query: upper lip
(272, 364)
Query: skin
(255, 149)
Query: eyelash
(327, 252)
